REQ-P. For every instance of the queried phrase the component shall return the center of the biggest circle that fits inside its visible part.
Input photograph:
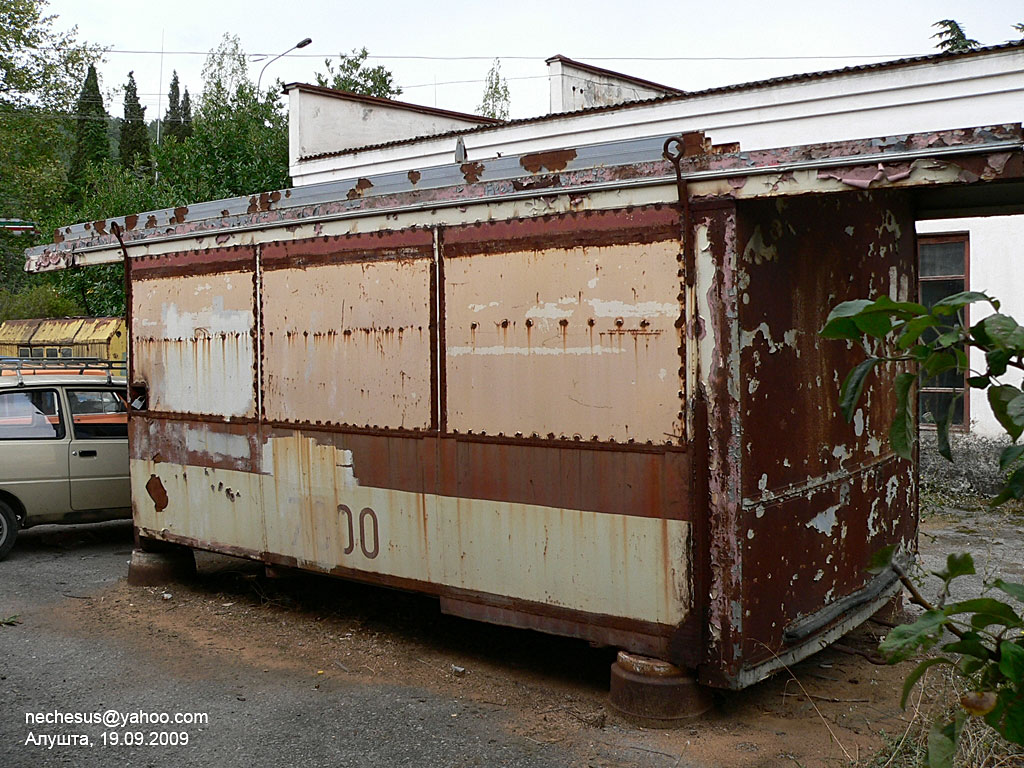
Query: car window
(97, 413)
(30, 415)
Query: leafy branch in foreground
(981, 639)
(936, 340)
(987, 642)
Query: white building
(335, 135)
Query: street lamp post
(300, 44)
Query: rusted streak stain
(157, 493)
(100, 226)
(151, 222)
(180, 213)
(472, 172)
(130, 222)
(553, 161)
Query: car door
(98, 452)
(34, 451)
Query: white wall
(979, 90)
(996, 267)
(324, 121)
(573, 87)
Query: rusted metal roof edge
(305, 209)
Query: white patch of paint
(818, 575)
(752, 386)
(592, 283)
(849, 231)
(640, 309)
(548, 311)
(757, 250)
(824, 521)
(482, 307)
(524, 351)
(750, 533)
(662, 374)
(216, 319)
(858, 422)
(220, 445)
(892, 487)
(763, 482)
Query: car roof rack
(22, 366)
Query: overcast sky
(687, 44)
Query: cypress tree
(92, 146)
(186, 115)
(134, 144)
(172, 117)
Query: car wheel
(8, 529)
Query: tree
(172, 117)
(496, 101)
(239, 139)
(39, 65)
(92, 146)
(41, 71)
(186, 116)
(134, 139)
(952, 38)
(354, 76)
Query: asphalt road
(256, 716)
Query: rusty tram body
(579, 391)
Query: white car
(63, 444)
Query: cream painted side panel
(210, 505)
(317, 512)
(193, 344)
(578, 342)
(349, 343)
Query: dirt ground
(832, 708)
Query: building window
(942, 271)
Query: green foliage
(56, 170)
(41, 299)
(988, 632)
(39, 66)
(353, 75)
(934, 341)
(988, 641)
(92, 147)
(177, 122)
(186, 117)
(496, 100)
(952, 38)
(134, 141)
